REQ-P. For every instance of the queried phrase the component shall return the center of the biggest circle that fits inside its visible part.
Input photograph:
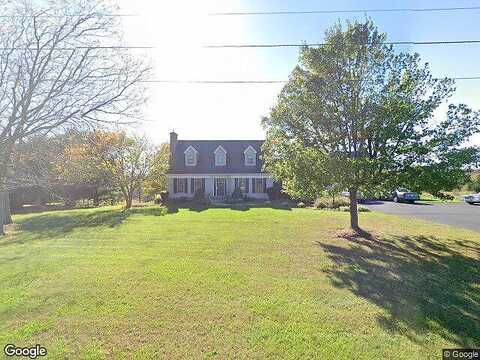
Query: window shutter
(247, 182)
(253, 185)
(236, 183)
(174, 185)
(264, 185)
(192, 185)
(185, 189)
(203, 185)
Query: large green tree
(357, 114)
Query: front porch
(218, 188)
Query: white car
(472, 198)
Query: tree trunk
(5, 216)
(354, 210)
(2, 216)
(8, 210)
(96, 201)
(128, 200)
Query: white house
(216, 167)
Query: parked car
(472, 198)
(405, 195)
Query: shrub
(443, 196)
(320, 203)
(301, 205)
(274, 193)
(140, 205)
(199, 195)
(200, 199)
(325, 202)
(237, 194)
(164, 197)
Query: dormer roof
(220, 148)
(250, 148)
(205, 150)
(189, 149)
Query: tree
(474, 183)
(126, 160)
(357, 115)
(73, 167)
(56, 72)
(157, 181)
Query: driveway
(461, 215)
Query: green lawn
(223, 283)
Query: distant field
(245, 284)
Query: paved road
(461, 215)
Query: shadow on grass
(239, 206)
(422, 284)
(54, 224)
(49, 207)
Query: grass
(248, 283)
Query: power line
(298, 12)
(219, 46)
(215, 81)
(263, 81)
(452, 42)
(309, 12)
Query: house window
(250, 156)
(242, 184)
(190, 156)
(180, 185)
(250, 160)
(220, 156)
(259, 185)
(197, 184)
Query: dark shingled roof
(206, 157)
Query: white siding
(209, 185)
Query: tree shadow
(55, 224)
(422, 284)
(174, 206)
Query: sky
(233, 111)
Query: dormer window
(250, 156)
(220, 156)
(191, 156)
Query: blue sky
(234, 111)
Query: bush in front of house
(326, 202)
(237, 194)
(164, 197)
(199, 198)
(199, 195)
(274, 193)
(301, 205)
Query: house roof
(206, 157)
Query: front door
(220, 187)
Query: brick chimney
(173, 144)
